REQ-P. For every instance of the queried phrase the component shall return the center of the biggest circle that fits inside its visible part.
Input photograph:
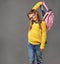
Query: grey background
(13, 32)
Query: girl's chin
(35, 19)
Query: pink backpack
(48, 17)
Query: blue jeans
(34, 50)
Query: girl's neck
(36, 21)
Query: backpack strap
(44, 4)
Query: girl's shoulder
(43, 23)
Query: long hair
(38, 16)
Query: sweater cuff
(42, 46)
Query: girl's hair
(38, 16)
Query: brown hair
(38, 16)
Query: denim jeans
(34, 50)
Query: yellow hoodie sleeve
(37, 5)
(43, 27)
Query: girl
(36, 37)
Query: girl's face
(33, 16)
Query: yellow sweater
(37, 35)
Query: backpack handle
(44, 4)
